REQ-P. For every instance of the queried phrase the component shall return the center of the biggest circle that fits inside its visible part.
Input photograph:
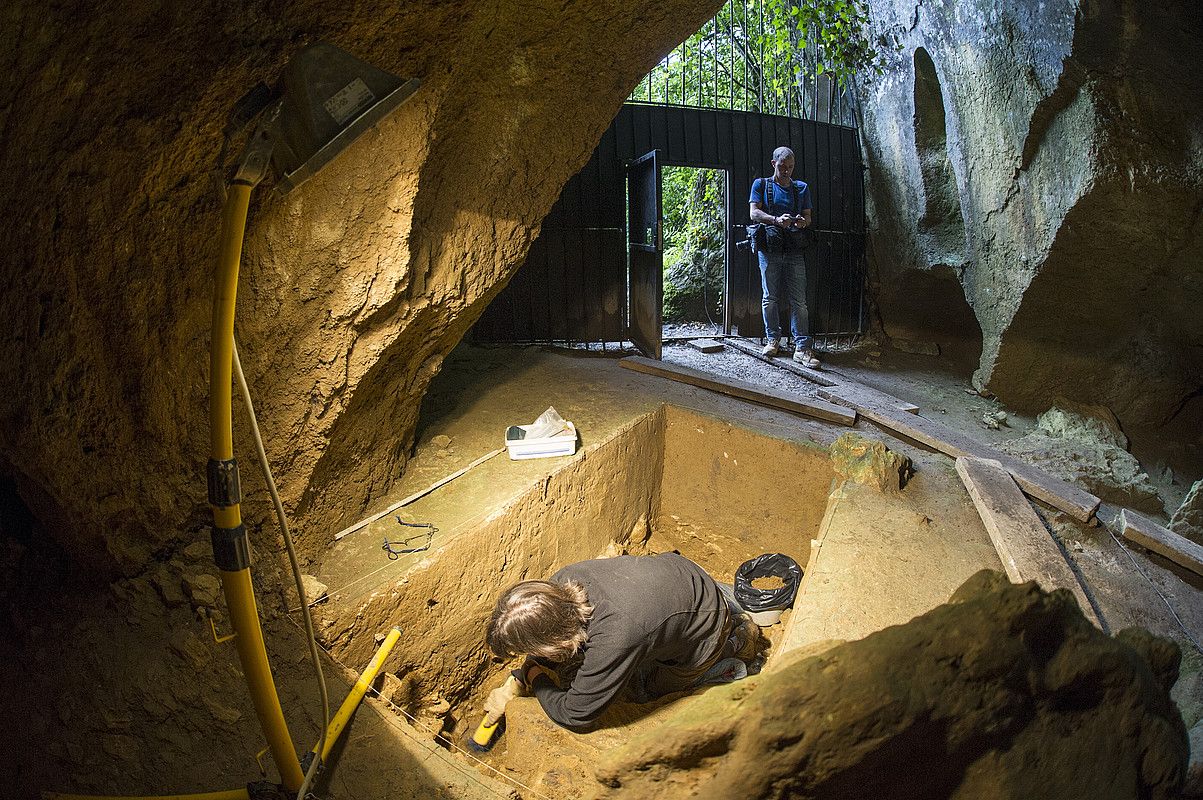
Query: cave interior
(414, 225)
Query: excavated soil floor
(727, 481)
(659, 466)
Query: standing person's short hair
(782, 153)
(539, 618)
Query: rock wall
(1042, 165)
(353, 288)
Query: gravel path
(731, 363)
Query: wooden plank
(706, 345)
(858, 393)
(836, 389)
(1026, 548)
(824, 379)
(805, 406)
(1148, 534)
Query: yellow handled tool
(482, 739)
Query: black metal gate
(573, 286)
(645, 254)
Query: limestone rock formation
(1039, 164)
(1004, 692)
(1069, 420)
(1188, 519)
(353, 287)
(868, 461)
(1084, 448)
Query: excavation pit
(660, 467)
(672, 479)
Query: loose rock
(203, 590)
(1087, 448)
(315, 591)
(870, 462)
(1068, 420)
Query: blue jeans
(785, 272)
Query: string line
(432, 750)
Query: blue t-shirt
(781, 201)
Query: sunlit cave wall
(1040, 165)
(353, 288)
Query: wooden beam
(706, 345)
(833, 384)
(1026, 548)
(854, 394)
(1148, 534)
(797, 404)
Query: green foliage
(835, 30)
(756, 55)
(694, 238)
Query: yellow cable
(228, 794)
(240, 596)
(221, 352)
(282, 518)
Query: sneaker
(725, 671)
(770, 349)
(807, 359)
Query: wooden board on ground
(853, 394)
(806, 406)
(831, 383)
(1026, 548)
(706, 345)
(1148, 534)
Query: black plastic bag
(769, 565)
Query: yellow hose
(240, 596)
(221, 345)
(229, 794)
(357, 692)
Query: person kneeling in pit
(650, 625)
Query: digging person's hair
(539, 618)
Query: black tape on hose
(231, 551)
(769, 565)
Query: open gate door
(645, 228)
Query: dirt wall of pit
(781, 485)
(599, 504)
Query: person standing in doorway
(783, 206)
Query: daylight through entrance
(695, 249)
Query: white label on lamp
(349, 101)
